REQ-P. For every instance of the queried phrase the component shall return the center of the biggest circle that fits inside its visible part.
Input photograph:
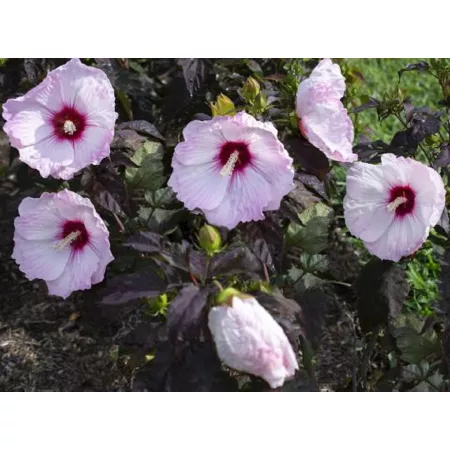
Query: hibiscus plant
(244, 209)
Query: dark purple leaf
(443, 159)
(381, 289)
(284, 310)
(106, 188)
(370, 151)
(314, 306)
(313, 184)
(372, 103)
(128, 139)
(421, 65)
(146, 241)
(119, 158)
(443, 225)
(310, 157)
(185, 312)
(124, 288)
(424, 123)
(142, 126)
(237, 260)
(444, 282)
(195, 71)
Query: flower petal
(49, 156)
(403, 238)
(248, 195)
(77, 274)
(29, 126)
(92, 148)
(38, 259)
(199, 186)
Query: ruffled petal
(49, 156)
(92, 148)
(29, 126)
(39, 226)
(77, 274)
(329, 128)
(38, 259)
(199, 186)
(248, 195)
(403, 237)
(201, 149)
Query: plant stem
(367, 354)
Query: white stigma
(69, 127)
(228, 168)
(396, 203)
(63, 243)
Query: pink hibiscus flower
(248, 339)
(392, 206)
(61, 239)
(323, 119)
(65, 123)
(231, 168)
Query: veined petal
(199, 186)
(38, 259)
(77, 275)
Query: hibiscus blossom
(61, 239)
(323, 119)
(65, 123)
(248, 339)
(231, 168)
(392, 206)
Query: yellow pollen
(63, 243)
(69, 127)
(228, 168)
(396, 203)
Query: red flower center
(75, 234)
(401, 200)
(234, 156)
(69, 123)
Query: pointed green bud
(209, 239)
(223, 106)
(251, 90)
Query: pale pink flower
(248, 339)
(65, 123)
(323, 119)
(231, 168)
(61, 239)
(392, 206)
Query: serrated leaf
(237, 260)
(106, 188)
(127, 139)
(185, 311)
(195, 71)
(413, 346)
(124, 288)
(381, 289)
(312, 235)
(143, 127)
(146, 241)
(149, 175)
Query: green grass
(381, 75)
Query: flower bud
(223, 106)
(248, 339)
(251, 90)
(209, 239)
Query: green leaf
(312, 236)
(164, 210)
(149, 175)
